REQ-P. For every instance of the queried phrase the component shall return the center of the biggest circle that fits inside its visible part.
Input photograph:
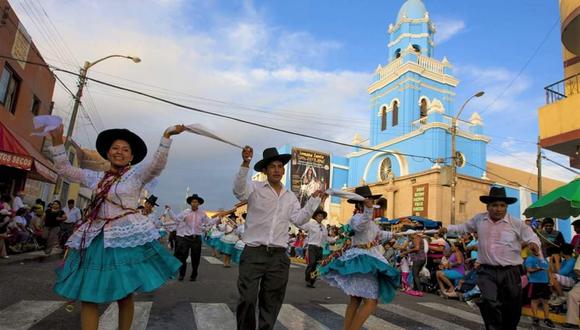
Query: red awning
(16, 152)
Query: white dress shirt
(72, 215)
(317, 233)
(499, 243)
(270, 214)
(190, 222)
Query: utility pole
(454, 156)
(75, 110)
(539, 166)
(82, 81)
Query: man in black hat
(264, 265)
(317, 237)
(189, 230)
(501, 237)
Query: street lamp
(79, 94)
(454, 156)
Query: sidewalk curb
(30, 256)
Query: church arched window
(398, 53)
(395, 113)
(423, 108)
(383, 118)
(417, 48)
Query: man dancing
(264, 265)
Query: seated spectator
(5, 203)
(454, 270)
(537, 269)
(562, 275)
(4, 219)
(17, 230)
(299, 244)
(549, 236)
(471, 249)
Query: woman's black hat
(269, 155)
(364, 191)
(107, 137)
(196, 197)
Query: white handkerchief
(345, 194)
(200, 130)
(46, 123)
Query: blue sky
(298, 65)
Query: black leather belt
(268, 248)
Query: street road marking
(213, 316)
(372, 323)
(213, 260)
(473, 317)
(293, 318)
(110, 319)
(454, 311)
(26, 313)
(421, 317)
(293, 266)
(297, 265)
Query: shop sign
(420, 200)
(17, 161)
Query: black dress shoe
(310, 285)
(181, 278)
(192, 279)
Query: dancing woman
(115, 252)
(360, 269)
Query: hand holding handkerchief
(200, 130)
(46, 123)
(345, 195)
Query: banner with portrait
(310, 171)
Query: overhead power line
(183, 106)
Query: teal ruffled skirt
(110, 274)
(361, 273)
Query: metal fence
(562, 89)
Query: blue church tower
(412, 99)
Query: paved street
(28, 303)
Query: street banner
(310, 171)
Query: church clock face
(385, 170)
(459, 159)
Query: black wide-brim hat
(497, 194)
(364, 191)
(269, 155)
(319, 211)
(106, 139)
(152, 200)
(196, 197)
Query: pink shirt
(499, 243)
(190, 222)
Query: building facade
(412, 103)
(559, 119)
(25, 91)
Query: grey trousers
(263, 275)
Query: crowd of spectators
(447, 266)
(25, 228)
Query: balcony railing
(562, 89)
(422, 61)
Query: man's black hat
(196, 197)
(269, 155)
(497, 194)
(152, 200)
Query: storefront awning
(16, 152)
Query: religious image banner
(310, 171)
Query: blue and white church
(412, 105)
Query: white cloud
(238, 59)
(447, 29)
